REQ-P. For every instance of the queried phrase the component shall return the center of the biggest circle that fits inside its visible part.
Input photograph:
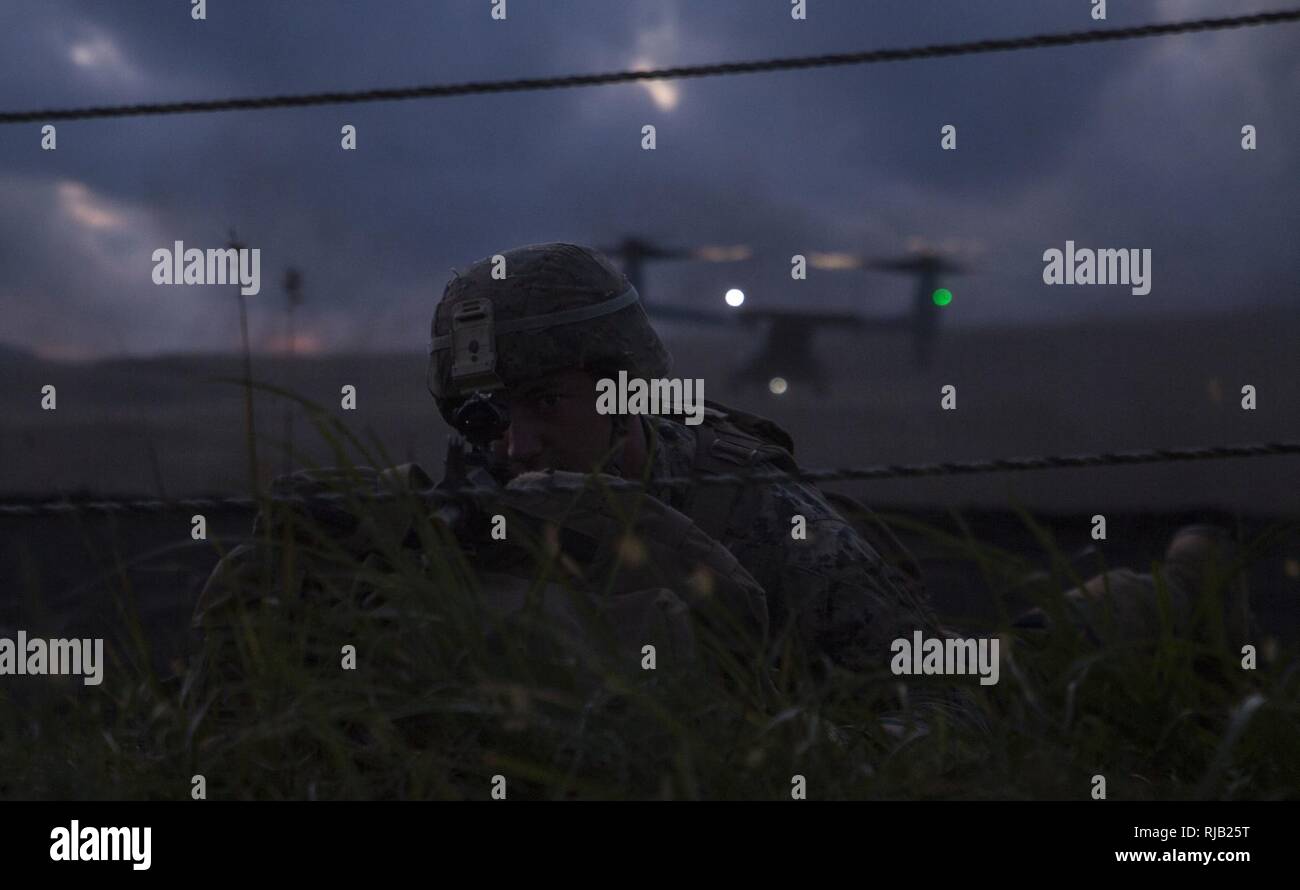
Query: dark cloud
(1132, 144)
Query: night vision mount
(482, 417)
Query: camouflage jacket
(833, 587)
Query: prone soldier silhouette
(513, 366)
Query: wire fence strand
(762, 477)
(870, 57)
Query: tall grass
(449, 692)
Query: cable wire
(870, 57)
(867, 473)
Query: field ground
(145, 426)
(168, 427)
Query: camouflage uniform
(1205, 596)
(564, 306)
(833, 588)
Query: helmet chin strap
(631, 450)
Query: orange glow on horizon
(304, 343)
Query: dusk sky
(1127, 145)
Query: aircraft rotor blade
(835, 260)
(734, 253)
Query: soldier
(514, 362)
(524, 351)
(564, 317)
(1122, 605)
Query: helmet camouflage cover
(559, 306)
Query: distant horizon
(673, 331)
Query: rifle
(470, 466)
(330, 497)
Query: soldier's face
(554, 425)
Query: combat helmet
(558, 306)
